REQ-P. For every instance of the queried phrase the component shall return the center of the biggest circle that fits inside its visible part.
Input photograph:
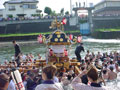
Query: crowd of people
(94, 71)
(32, 18)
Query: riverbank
(106, 34)
(9, 44)
(30, 36)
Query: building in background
(19, 8)
(107, 8)
(1, 12)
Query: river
(94, 45)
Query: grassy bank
(108, 30)
(31, 34)
(21, 34)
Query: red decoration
(64, 21)
(20, 84)
(40, 40)
(66, 52)
(71, 37)
(79, 39)
(50, 52)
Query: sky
(57, 4)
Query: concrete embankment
(30, 26)
(9, 44)
(106, 35)
(26, 38)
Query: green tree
(47, 10)
(62, 11)
(53, 13)
(39, 13)
(67, 13)
(10, 16)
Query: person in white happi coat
(48, 73)
(92, 76)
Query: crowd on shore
(51, 17)
(94, 69)
(32, 18)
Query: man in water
(17, 52)
(112, 75)
(78, 50)
(92, 76)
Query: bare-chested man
(105, 74)
(112, 75)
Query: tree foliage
(53, 13)
(47, 10)
(62, 11)
(10, 16)
(67, 13)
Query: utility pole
(86, 3)
(71, 7)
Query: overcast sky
(56, 4)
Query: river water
(94, 45)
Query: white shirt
(11, 85)
(55, 79)
(13, 58)
(25, 83)
(111, 65)
(56, 86)
(77, 85)
(24, 57)
(58, 48)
